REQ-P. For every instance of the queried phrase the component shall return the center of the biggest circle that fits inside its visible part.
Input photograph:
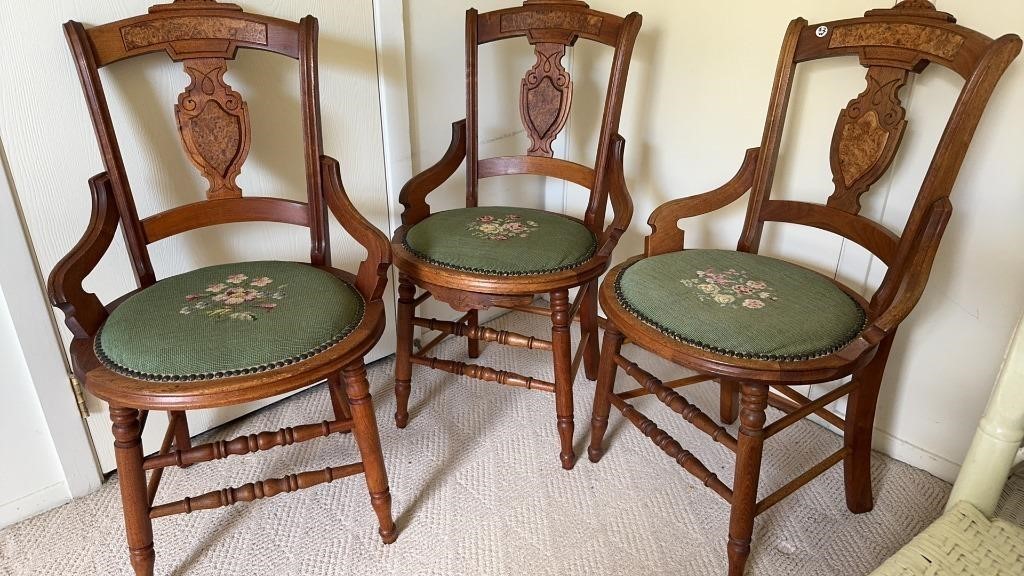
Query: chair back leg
(860, 423)
(127, 431)
(589, 330)
(729, 402)
(364, 427)
(605, 387)
(339, 398)
(473, 344)
(403, 364)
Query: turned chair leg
(561, 340)
(729, 401)
(364, 427)
(860, 422)
(605, 388)
(753, 402)
(588, 325)
(339, 399)
(403, 366)
(473, 344)
(134, 495)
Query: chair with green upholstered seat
(966, 541)
(226, 334)
(480, 257)
(761, 326)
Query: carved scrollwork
(545, 97)
(214, 125)
(866, 137)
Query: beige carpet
(478, 491)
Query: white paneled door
(51, 150)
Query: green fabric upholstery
(501, 241)
(228, 320)
(740, 304)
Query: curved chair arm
(83, 311)
(414, 194)
(665, 233)
(622, 202)
(911, 285)
(373, 272)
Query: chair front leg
(403, 365)
(588, 325)
(605, 388)
(561, 340)
(753, 402)
(364, 427)
(860, 423)
(127, 431)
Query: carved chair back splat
(546, 93)
(892, 44)
(213, 122)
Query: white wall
(697, 97)
(31, 479)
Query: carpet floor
(478, 490)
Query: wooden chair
(479, 257)
(225, 334)
(757, 324)
(965, 541)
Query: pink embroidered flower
(222, 301)
(485, 218)
(730, 289)
(753, 304)
(743, 289)
(237, 278)
(501, 227)
(216, 287)
(261, 282)
(268, 305)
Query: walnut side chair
(227, 334)
(496, 256)
(759, 325)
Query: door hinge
(76, 387)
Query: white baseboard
(35, 503)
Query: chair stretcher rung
(482, 333)
(245, 444)
(805, 409)
(670, 446)
(483, 373)
(255, 490)
(796, 400)
(677, 403)
(774, 498)
(679, 383)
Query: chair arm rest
(912, 281)
(621, 201)
(83, 311)
(665, 233)
(372, 276)
(414, 194)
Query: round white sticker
(821, 31)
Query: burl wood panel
(867, 136)
(544, 98)
(936, 41)
(552, 19)
(214, 125)
(183, 28)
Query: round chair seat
(502, 241)
(228, 320)
(740, 304)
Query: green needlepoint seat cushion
(740, 304)
(501, 241)
(228, 320)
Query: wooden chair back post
(891, 44)
(545, 99)
(212, 118)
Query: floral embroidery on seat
(501, 227)
(231, 300)
(731, 288)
